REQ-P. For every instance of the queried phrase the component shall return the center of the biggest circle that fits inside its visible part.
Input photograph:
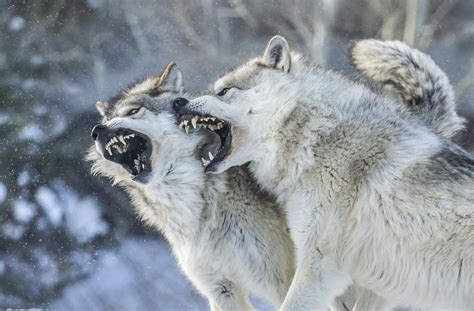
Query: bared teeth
(205, 162)
(209, 126)
(122, 140)
(108, 149)
(119, 150)
(211, 157)
(210, 123)
(194, 121)
(184, 125)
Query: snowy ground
(140, 275)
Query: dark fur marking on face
(155, 92)
(123, 92)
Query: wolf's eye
(223, 91)
(133, 111)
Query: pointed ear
(172, 78)
(102, 107)
(277, 54)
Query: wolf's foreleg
(347, 301)
(317, 282)
(227, 296)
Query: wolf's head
(138, 140)
(250, 102)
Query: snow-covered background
(69, 240)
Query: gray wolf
(373, 194)
(229, 237)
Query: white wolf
(373, 194)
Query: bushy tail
(422, 85)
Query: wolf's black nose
(96, 130)
(179, 103)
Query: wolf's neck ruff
(179, 202)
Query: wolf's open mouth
(131, 149)
(192, 121)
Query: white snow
(23, 211)
(82, 215)
(12, 231)
(23, 178)
(40, 109)
(141, 274)
(3, 192)
(2, 267)
(17, 23)
(37, 60)
(32, 131)
(42, 224)
(47, 268)
(4, 118)
(59, 127)
(84, 220)
(50, 204)
(29, 84)
(95, 4)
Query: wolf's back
(419, 81)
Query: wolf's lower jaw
(192, 121)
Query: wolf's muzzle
(97, 130)
(179, 104)
(126, 147)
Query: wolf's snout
(179, 103)
(99, 128)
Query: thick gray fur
(422, 85)
(374, 195)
